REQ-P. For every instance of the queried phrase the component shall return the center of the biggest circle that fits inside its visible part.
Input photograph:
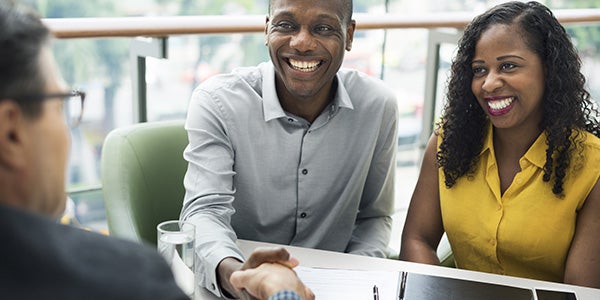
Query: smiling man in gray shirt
(294, 151)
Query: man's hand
(269, 278)
(259, 256)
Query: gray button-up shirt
(260, 173)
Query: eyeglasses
(73, 109)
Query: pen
(375, 293)
(402, 286)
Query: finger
(239, 279)
(291, 263)
(262, 255)
(309, 294)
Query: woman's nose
(492, 82)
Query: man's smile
(304, 66)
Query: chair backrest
(142, 170)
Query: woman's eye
(478, 70)
(508, 66)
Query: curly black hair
(567, 108)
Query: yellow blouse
(526, 232)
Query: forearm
(371, 237)
(418, 251)
(224, 270)
(582, 266)
(373, 225)
(209, 196)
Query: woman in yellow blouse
(511, 174)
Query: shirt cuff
(208, 269)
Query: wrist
(224, 270)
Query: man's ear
(12, 132)
(267, 20)
(350, 34)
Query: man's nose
(303, 41)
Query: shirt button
(290, 120)
(304, 171)
(493, 242)
(212, 286)
(303, 215)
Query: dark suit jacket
(40, 259)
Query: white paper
(349, 284)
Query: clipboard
(424, 287)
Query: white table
(329, 259)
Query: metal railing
(179, 25)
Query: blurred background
(101, 67)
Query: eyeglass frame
(71, 94)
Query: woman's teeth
(501, 104)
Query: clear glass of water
(175, 242)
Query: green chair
(142, 170)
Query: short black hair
(346, 9)
(22, 38)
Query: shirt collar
(271, 106)
(536, 154)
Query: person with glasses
(73, 110)
(42, 259)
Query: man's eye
(284, 26)
(323, 28)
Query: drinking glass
(175, 242)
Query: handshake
(267, 272)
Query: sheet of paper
(349, 284)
